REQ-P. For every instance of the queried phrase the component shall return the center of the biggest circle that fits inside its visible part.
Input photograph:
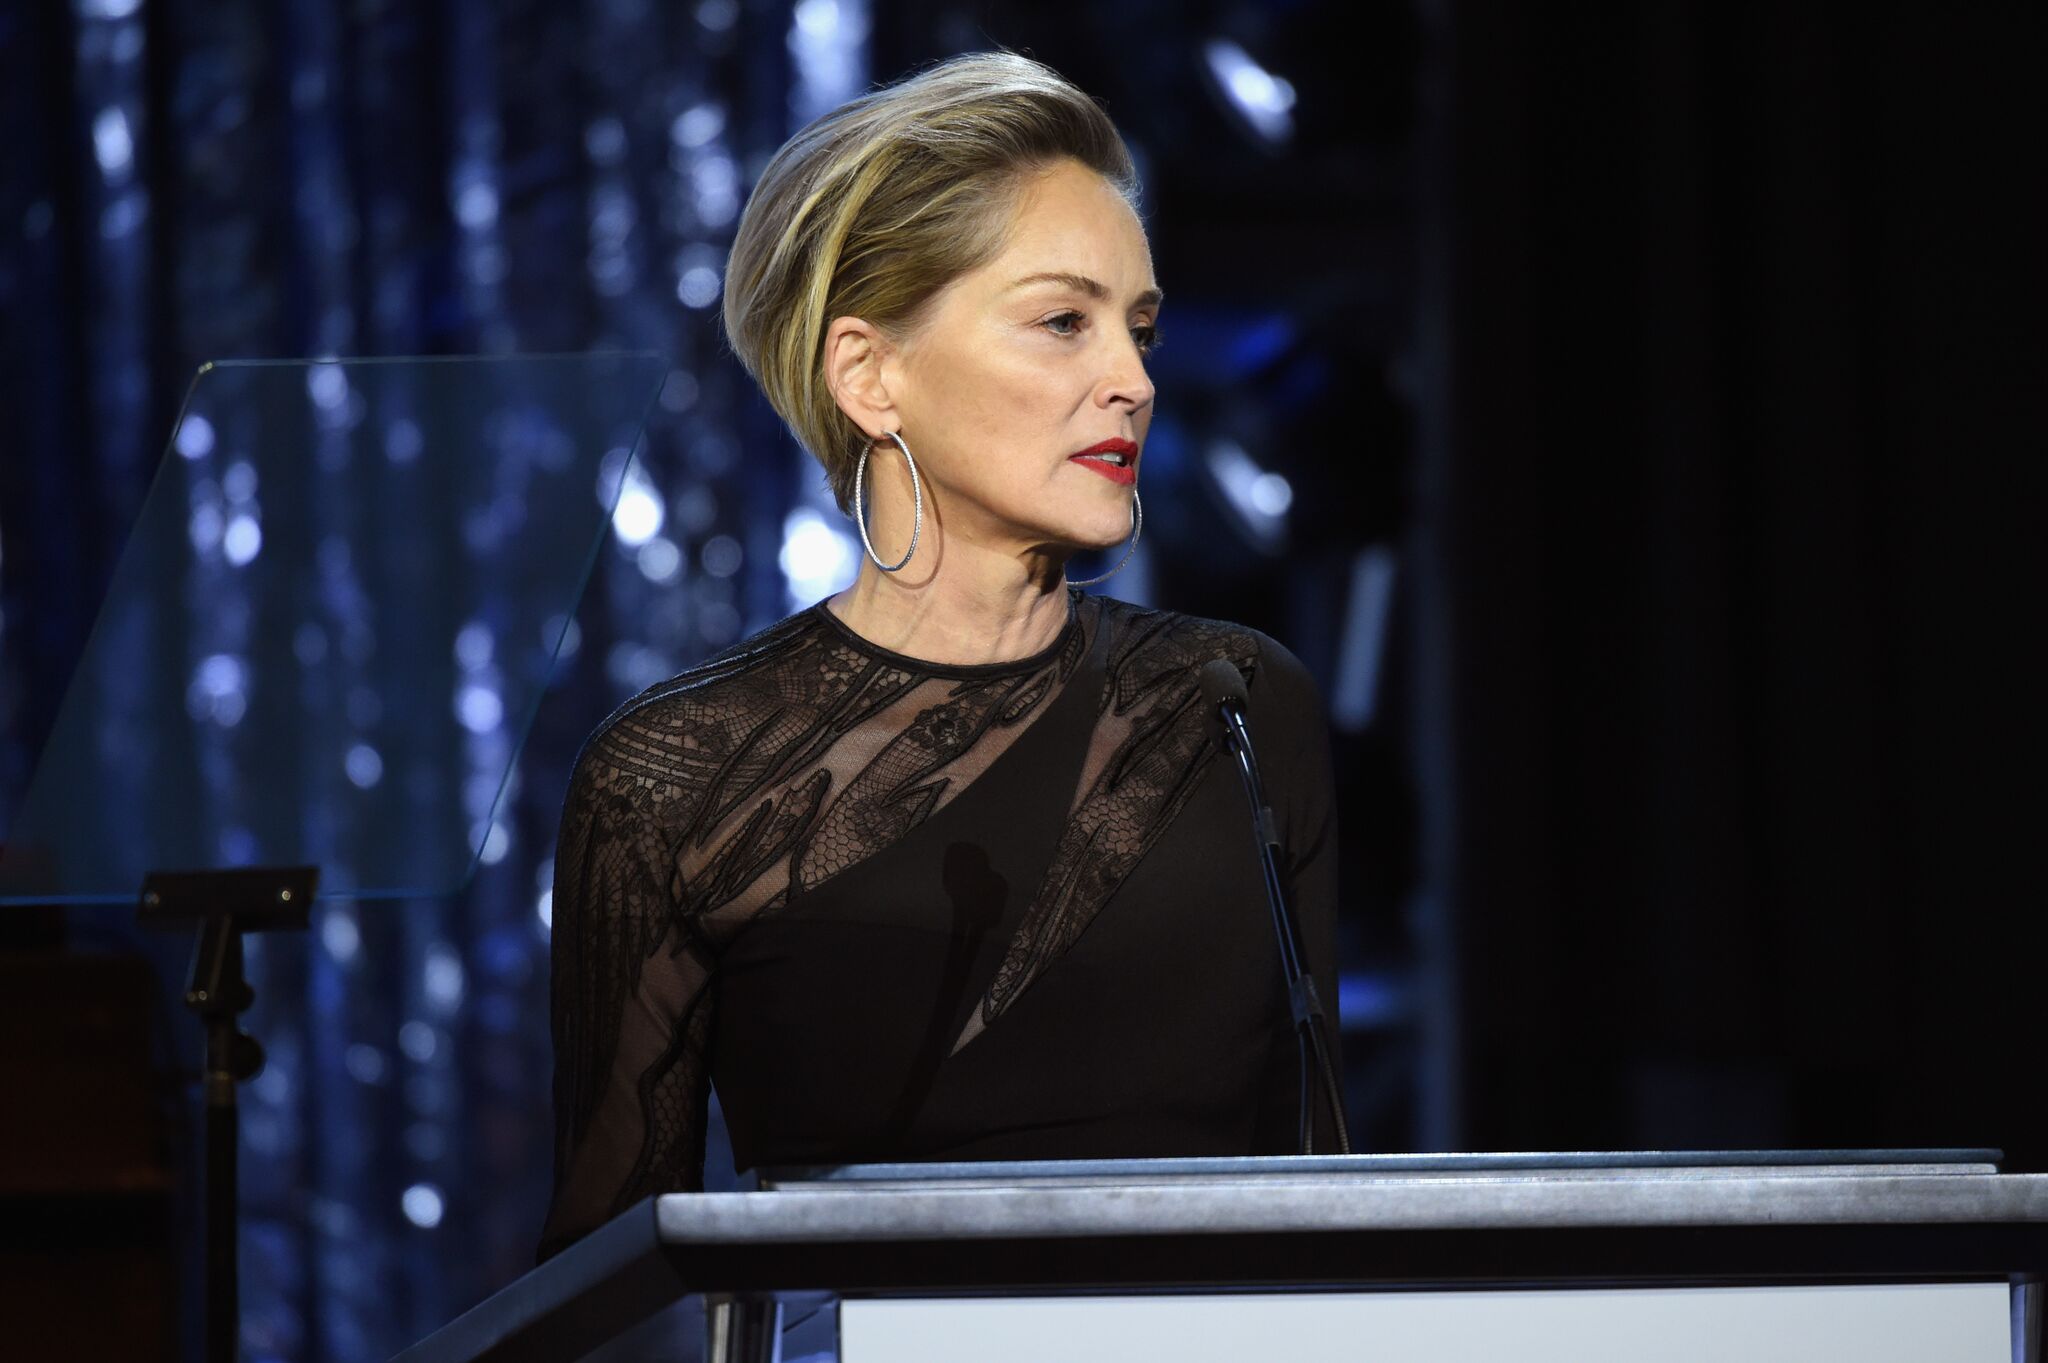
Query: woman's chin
(1097, 541)
(1105, 524)
(1082, 529)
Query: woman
(943, 867)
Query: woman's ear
(855, 353)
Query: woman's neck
(983, 608)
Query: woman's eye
(1147, 337)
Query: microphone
(1223, 691)
(1221, 681)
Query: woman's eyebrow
(1081, 283)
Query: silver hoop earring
(1137, 525)
(860, 519)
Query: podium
(1680, 1256)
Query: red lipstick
(1115, 459)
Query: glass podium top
(332, 623)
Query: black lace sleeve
(631, 992)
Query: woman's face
(1016, 373)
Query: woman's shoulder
(1161, 655)
(1155, 641)
(726, 691)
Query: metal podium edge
(612, 1277)
(1487, 1202)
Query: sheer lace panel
(1149, 747)
(826, 758)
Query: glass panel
(332, 623)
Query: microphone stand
(1310, 1026)
(223, 905)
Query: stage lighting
(1258, 101)
(1256, 499)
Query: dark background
(1741, 428)
(1680, 365)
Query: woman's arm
(631, 992)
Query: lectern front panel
(1898, 1323)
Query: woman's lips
(1121, 469)
(1126, 474)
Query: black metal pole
(223, 1281)
(225, 904)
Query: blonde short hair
(875, 207)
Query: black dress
(897, 910)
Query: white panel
(1902, 1323)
